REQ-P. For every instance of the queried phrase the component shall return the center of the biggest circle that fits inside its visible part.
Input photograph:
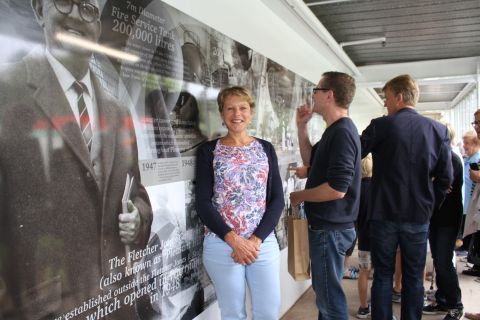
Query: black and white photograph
(103, 106)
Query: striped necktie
(85, 124)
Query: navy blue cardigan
(204, 192)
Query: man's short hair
(342, 85)
(405, 85)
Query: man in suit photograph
(66, 150)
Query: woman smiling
(239, 198)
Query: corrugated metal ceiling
(414, 30)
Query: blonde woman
(364, 258)
(239, 198)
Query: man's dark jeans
(386, 236)
(327, 253)
(442, 244)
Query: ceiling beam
(433, 106)
(429, 69)
(471, 78)
(466, 90)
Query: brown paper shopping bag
(298, 253)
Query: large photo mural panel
(72, 179)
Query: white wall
(279, 32)
(286, 32)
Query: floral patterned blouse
(240, 184)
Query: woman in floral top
(239, 198)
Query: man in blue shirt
(411, 175)
(332, 191)
(471, 145)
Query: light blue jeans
(230, 279)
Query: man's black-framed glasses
(88, 12)
(476, 123)
(319, 89)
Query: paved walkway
(305, 307)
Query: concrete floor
(305, 307)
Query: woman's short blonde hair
(235, 91)
(367, 166)
(451, 132)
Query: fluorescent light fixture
(76, 41)
(365, 41)
(317, 3)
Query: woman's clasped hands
(244, 251)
